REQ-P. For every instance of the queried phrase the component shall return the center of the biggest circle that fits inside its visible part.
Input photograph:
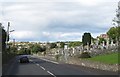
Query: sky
(57, 20)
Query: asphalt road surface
(38, 66)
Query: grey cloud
(59, 17)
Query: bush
(85, 55)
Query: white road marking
(42, 67)
(37, 64)
(45, 69)
(50, 61)
(51, 73)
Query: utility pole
(7, 37)
(8, 33)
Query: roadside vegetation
(106, 58)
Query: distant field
(107, 58)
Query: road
(38, 66)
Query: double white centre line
(51, 73)
(37, 64)
(50, 61)
(42, 67)
(47, 71)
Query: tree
(73, 44)
(93, 40)
(62, 44)
(24, 51)
(13, 49)
(101, 41)
(53, 45)
(112, 33)
(43, 48)
(36, 49)
(21, 51)
(118, 33)
(86, 39)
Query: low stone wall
(96, 65)
(86, 63)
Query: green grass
(107, 58)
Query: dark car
(24, 59)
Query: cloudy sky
(57, 20)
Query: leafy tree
(112, 33)
(36, 49)
(118, 33)
(93, 40)
(43, 48)
(86, 38)
(24, 50)
(21, 51)
(62, 44)
(27, 51)
(73, 44)
(101, 41)
(53, 45)
(31, 48)
(13, 49)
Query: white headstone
(111, 42)
(107, 43)
(65, 47)
(103, 43)
(73, 50)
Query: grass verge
(107, 58)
